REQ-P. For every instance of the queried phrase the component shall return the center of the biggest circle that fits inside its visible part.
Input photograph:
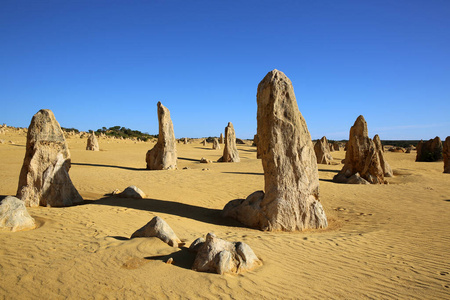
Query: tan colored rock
(446, 155)
(221, 139)
(157, 227)
(380, 150)
(44, 178)
(205, 161)
(219, 256)
(131, 192)
(185, 141)
(336, 146)
(430, 150)
(230, 152)
(204, 143)
(361, 156)
(240, 141)
(92, 143)
(14, 215)
(255, 143)
(216, 144)
(291, 198)
(321, 149)
(163, 156)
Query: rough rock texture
(163, 156)
(322, 151)
(221, 139)
(205, 161)
(430, 150)
(256, 142)
(230, 152)
(92, 143)
(384, 164)
(291, 198)
(44, 177)
(216, 144)
(132, 192)
(446, 155)
(220, 256)
(336, 146)
(14, 215)
(361, 156)
(157, 227)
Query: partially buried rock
(230, 152)
(92, 143)
(380, 150)
(205, 161)
(220, 256)
(322, 151)
(362, 157)
(44, 178)
(291, 198)
(14, 215)
(132, 192)
(430, 150)
(446, 155)
(163, 156)
(157, 227)
(216, 144)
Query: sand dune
(384, 241)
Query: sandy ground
(384, 241)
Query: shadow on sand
(189, 159)
(109, 166)
(183, 258)
(202, 214)
(244, 173)
(329, 170)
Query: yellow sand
(384, 241)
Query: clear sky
(105, 63)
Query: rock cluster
(230, 152)
(219, 256)
(163, 156)
(157, 227)
(92, 143)
(446, 155)
(362, 158)
(291, 198)
(44, 178)
(322, 151)
(430, 150)
(14, 215)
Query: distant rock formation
(230, 152)
(204, 142)
(291, 198)
(185, 141)
(361, 156)
(163, 156)
(157, 227)
(321, 149)
(216, 144)
(219, 256)
(240, 141)
(44, 178)
(14, 215)
(92, 143)
(336, 146)
(380, 150)
(446, 155)
(221, 139)
(430, 150)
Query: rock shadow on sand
(182, 258)
(202, 214)
(108, 166)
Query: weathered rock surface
(240, 141)
(205, 161)
(336, 146)
(44, 178)
(361, 156)
(216, 144)
(255, 143)
(163, 156)
(157, 227)
(446, 155)
(221, 139)
(430, 150)
(132, 192)
(380, 150)
(92, 143)
(291, 198)
(14, 215)
(219, 256)
(322, 151)
(230, 152)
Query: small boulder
(92, 143)
(157, 227)
(220, 256)
(14, 215)
(205, 161)
(132, 192)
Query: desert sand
(383, 241)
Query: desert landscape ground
(383, 241)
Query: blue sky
(106, 63)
